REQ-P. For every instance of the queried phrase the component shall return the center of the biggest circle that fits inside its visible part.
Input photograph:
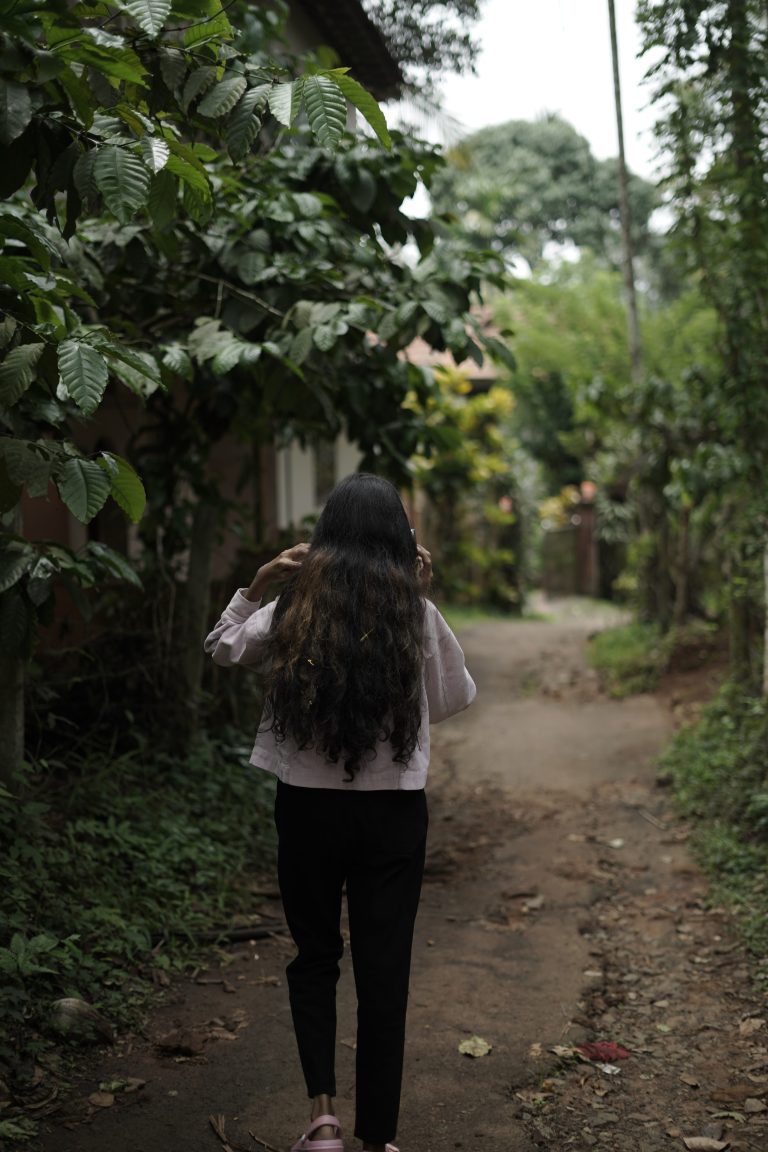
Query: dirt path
(561, 905)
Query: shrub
(108, 868)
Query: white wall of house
(303, 479)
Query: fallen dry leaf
(704, 1144)
(753, 1105)
(101, 1099)
(475, 1046)
(535, 1051)
(691, 1081)
(609, 1069)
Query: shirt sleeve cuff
(241, 607)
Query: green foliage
(427, 38)
(115, 113)
(661, 450)
(719, 769)
(97, 890)
(712, 88)
(515, 187)
(632, 658)
(629, 659)
(470, 467)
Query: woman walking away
(358, 664)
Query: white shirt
(447, 688)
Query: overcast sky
(555, 56)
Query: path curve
(542, 802)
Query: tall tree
(713, 92)
(517, 186)
(428, 37)
(104, 108)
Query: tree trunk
(683, 570)
(193, 619)
(663, 580)
(765, 602)
(739, 620)
(11, 716)
(12, 670)
(635, 354)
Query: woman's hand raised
(424, 567)
(277, 571)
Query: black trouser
(374, 842)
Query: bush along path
(574, 984)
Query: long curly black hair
(345, 645)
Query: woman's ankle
(322, 1105)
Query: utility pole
(635, 354)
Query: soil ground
(561, 905)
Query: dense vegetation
(142, 142)
(189, 231)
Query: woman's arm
(239, 636)
(450, 688)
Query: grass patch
(628, 659)
(464, 615)
(719, 770)
(108, 868)
(633, 657)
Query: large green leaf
(364, 103)
(114, 63)
(115, 564)
(198, 82)
(17, 372)
(326, 110)
(139, 371)
(163, 199)
(173, 68)
(84, 487)
(10, 493)
(155, 152)
(284, 101)
(32, 235)
(25, 465)
(244, 123)
(17, 618)
(15, 559)
(216, 27)
(83, 176)
(83, 373)
(79, 94)
(150, 15)
(126, 489)
(15, 110)
(189, 174)
(198, 207)
(176, 359)
(122, 180)
(223, 96)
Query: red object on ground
(603, 1051)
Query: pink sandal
(307, 1145)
